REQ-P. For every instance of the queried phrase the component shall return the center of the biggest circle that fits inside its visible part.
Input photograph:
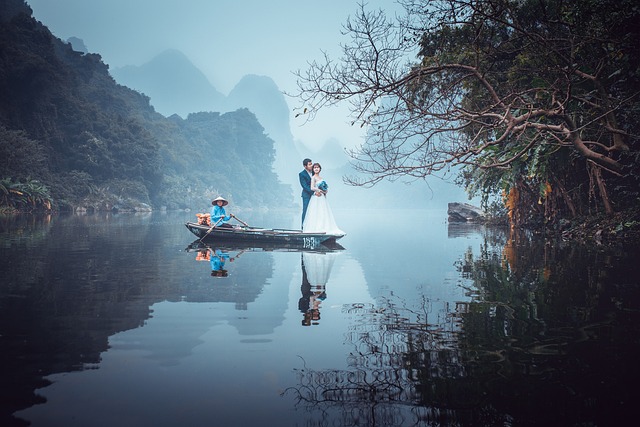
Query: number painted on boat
(310, 242)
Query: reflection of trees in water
(63, 296)
(395, 350)
(23, 229)
(548, 337)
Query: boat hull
(291, 238)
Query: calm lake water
(113, 320)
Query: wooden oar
(241, 221)
(211, 229)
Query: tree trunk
(597, 171)
(565, 197)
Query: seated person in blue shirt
(219, 216)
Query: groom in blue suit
(305, 182)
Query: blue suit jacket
(305, 182)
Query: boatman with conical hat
(218, 214)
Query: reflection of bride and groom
(316, 269)
(316, 213)
(316, 217)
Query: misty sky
(225, 39)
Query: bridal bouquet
(323, 186)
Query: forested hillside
(70, 137)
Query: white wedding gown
(319, 217)
(318, 267)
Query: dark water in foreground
(110, 321)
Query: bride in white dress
(319, 217)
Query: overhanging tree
(538, 99)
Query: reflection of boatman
(218, 259)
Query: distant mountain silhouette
(261, 95)
(173, 83)
(332, 154)
(77, 44)
(176, 86)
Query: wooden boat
(272, 236)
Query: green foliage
(21, 156)
(542, 56)
(64, 121)
(29, 195)
(226, 154)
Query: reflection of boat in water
(234, 245)
(262, 237)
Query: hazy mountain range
(173, 83)
(176, 86)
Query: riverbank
(618, 228)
